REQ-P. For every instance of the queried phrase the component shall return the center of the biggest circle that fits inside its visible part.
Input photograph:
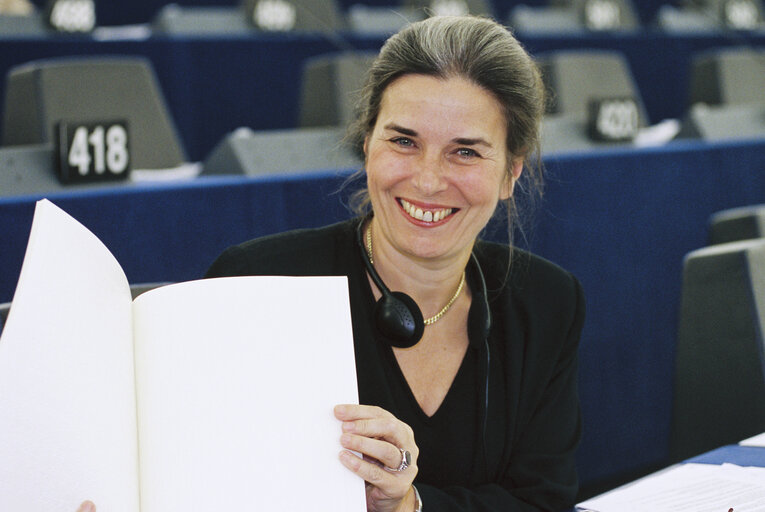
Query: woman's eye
(403, 141)
(467, 152)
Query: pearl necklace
(435, 318)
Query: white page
(688, 487)
(67, 402)
(237, 379)
(758, 440)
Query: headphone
(397, 317)
(398, 320)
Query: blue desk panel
(622, 221)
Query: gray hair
(481, 51)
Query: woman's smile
(427, 215)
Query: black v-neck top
(512, 451)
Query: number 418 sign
(97, 151)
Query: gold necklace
(435, 318)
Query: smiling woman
(467, 371)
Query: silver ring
(406, 459)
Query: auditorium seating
(572, 16)
(48, 101)
(712, 15)
(28, 25)
(452, 7)
(41, 94)
(719, 392)
(577, 81)
(244, 151)
(329, 88)
(173, 19)
(735, 224)
(726, 96)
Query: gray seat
(562, 16)
(728, 76)
(576, 79)
(737, 224)
(728, 14)
(451, 7)
(280, 151)
(29, 25)
(678, 20)
(174, 19)
(330, 86)
(724, 122)
(380, 21)
(26, 170)
(294, 15)
(42, 93)
(725, 102)
(544, 20)
(719, 391)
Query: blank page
(67, 401)
(237, 379)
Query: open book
(207, 395)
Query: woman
(475, 408)
(485, 403)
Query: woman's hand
(382, 439)
(87, 506)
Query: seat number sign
(96, 151)
(613, 119)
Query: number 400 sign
(97, 151)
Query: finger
(351, 412)
(87, 506)
(382, 451)
(389, 428)
(392, 485)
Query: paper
(758, 440)
(208, 395)
(243, 374)
(688, 487)
(67, 409)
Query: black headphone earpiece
(398, 319)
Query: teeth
(427, 215)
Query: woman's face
(436, 164)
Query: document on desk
(758, 440)
(688, 487)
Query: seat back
(576, 77)
(294, 15)
(719, 390)
(174, 19)
(330, 87)
(737, 224)
(280, 151)
(451, 7)
(42, 93)
(728, 77)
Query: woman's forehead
(424, 102)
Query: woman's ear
(364, 147)
(510, 178)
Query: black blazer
(504, 439)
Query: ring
(406, 459)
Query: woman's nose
(429, 175)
